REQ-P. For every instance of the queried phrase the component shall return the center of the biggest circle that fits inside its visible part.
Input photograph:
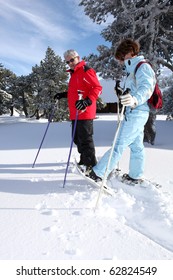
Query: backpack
(86, 67)
(156, 100)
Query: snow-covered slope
(40, 220)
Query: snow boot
(127, 179)
(91, 174)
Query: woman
(131, 132)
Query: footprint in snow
(53, 228)
(50, 212)
(77, 213)
(45, 253)
(72, 252)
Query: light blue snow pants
(130, 135)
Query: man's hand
(83, 103)
(128, 100)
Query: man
(83, 91)
(131, 132)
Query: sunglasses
(71, 60)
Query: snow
(40, 220)
(108, 95)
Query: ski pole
(72, 140)
(49, 121)
(118, 113)
(110, 157)
(111, 152)
(119, 91)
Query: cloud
(29, 27)
(84, 22)
(44, 22)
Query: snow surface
(108, 95)
(40, 220)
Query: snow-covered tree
(22, 94)
(47, 79)
(167, 89)
(5, 102)
(6, 77)
(168, 102)
(148, 21)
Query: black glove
(83, 103)
(60, 95)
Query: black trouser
(84, 141)
(150, 129)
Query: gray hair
(72, 53)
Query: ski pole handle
(80, 96)
(118, 90)
(127, 91)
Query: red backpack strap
(138, 65)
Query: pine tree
(148, 21)
(166, 84)
(49, 78)
(22, 94)
(6, 77)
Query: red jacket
(87, 82)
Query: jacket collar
(130, 64)
(78, 66)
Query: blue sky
(28, 27)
